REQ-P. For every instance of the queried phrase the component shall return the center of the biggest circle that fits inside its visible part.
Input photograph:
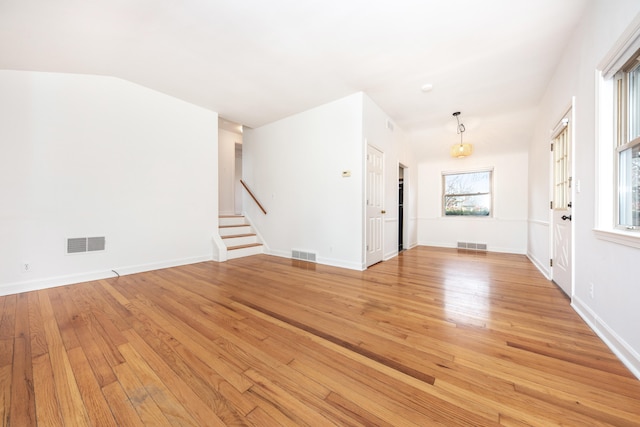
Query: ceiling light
(427, 87)
(460, 150)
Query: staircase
(238, 236)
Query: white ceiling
(256, 61)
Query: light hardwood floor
(432, 337)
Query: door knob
(383, 212)
(565, 217)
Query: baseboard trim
(390, 255)
(540, 266)
(160, 265)
(627, 355)
(52, 282)
(320, 260)
(494, 249)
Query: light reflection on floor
(466, 296)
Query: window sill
(620, 237)
(474, 217)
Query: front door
(373, 238)
(561, 269)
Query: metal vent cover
(304, 256)
(472, 246)
(76, 245)
(95, 243)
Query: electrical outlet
(591, 289)
(26, 267)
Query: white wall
(613, 311)
(227, 170)
(238, 189)
(98, 156)
(295, 165)
(392, 142)
(505, 231)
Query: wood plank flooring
(434, 337)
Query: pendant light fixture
(460, 150)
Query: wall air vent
(78, 245)
(472, 246)
(304, 256)
(95, 244)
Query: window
(618, 141)
(561, 166)
(627, 123)
(467, 193)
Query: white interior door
(374, 209)
(561, 269)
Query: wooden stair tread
(246, 234)
(238, 235)
(248, 245)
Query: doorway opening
(402, 204)
(229, 167)
(400, 209)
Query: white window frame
(607, 137)
(627, 135)
(491, 193)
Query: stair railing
(253, 197)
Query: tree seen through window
(467, 193)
